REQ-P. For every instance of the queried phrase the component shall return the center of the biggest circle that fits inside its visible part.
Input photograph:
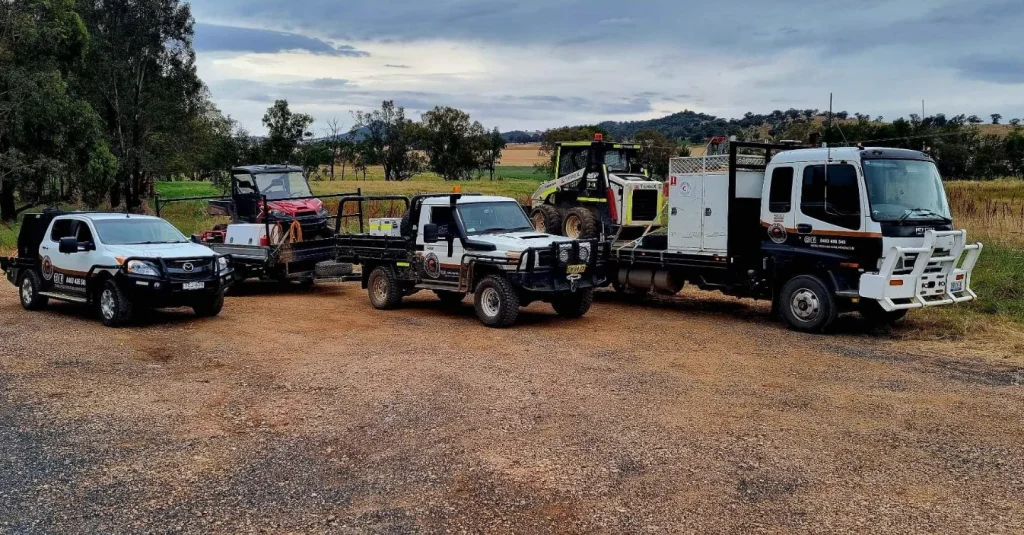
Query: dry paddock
(308, 411)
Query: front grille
(645, 204)
(201, 269)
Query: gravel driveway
(308, 411)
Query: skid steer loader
(599, 190)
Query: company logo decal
(777, 232)
(188, 267)
(47, 268)
(432, 266)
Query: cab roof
(849, 153)
(465, 199)
(102, 216)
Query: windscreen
(493, 218)
(620, 161)
(277, 186)
(137, 232)
(901, 190)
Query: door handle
(804, 228)
(707, 212)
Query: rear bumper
(941, 273)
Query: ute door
(442, 261)
(830, 214)
(68, 272)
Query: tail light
(613, 210)
(264, 241)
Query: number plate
(193, 285)
(576, 269)
(956, 286)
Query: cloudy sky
(534, 64)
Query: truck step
(65, 297)
(349, 278)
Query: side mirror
(430, 233)
(68, 245)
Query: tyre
(385, 292)
(580, 223)
(115, 307)
(331, 270)
(496, 302)
(876, 316)
(807, 304)
(450, 299)
(405, 227)
(29, 286)
(546, 219)
(210, 307)
(574, 305)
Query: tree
(996, 118)
(140, 75)
(656, 151)
(336, 143)
(46, 129)
(567, 133)
(974, 119)
(493, 146)
(285, 131)
(452, 143)
(388, 142)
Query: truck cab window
(833, 198)
(61, 229)
(780, 198)
(442, 217)
(82, 232)
(572, 160)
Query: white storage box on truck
(818, 231)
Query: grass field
(991, 211)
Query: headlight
(585, 252)
(563, 253)
(222, 263)
(140, 267)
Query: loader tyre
(29, 286)
(116, 309)
(384, 289)
(573, 305)
(808, 304)
(581, 224)
(496, 302)
(546, 219)
(876, 316)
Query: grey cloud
(212, 38)
(992, 69)
(394, 66)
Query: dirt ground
(522, 155)
(308, 411)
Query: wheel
(406, 227)
(385, 292)
(496, 302)
(29, 287)
(574, 305)
(876, 316)
(546, 219)
(210, 308)
(581, 224)
(807, 304)
(115, 307)
(450, 299)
